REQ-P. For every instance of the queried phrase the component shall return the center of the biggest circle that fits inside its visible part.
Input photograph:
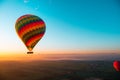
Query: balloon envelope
(30, 29)
(116, 65)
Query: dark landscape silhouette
(58, 70)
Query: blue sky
(71, 25)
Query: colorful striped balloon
(30, 29)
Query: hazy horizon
(62, 56)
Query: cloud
(26, 1)
(36, 8)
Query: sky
(71, 25)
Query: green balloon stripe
(22, 17)
(31, 25)
(33, 44)
(21, 23)
(29, 20)
(38, 30)
(30, 34)
(26, 21)
(30, 29)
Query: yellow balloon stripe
(33, 41)
(30, 29)
(32, 33)
(25, 21)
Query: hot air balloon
(30, 29)
(116, 65)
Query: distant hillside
(96, 56)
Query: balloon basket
(30, 52)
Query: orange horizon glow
(41, 55)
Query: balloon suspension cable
(30, 52)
